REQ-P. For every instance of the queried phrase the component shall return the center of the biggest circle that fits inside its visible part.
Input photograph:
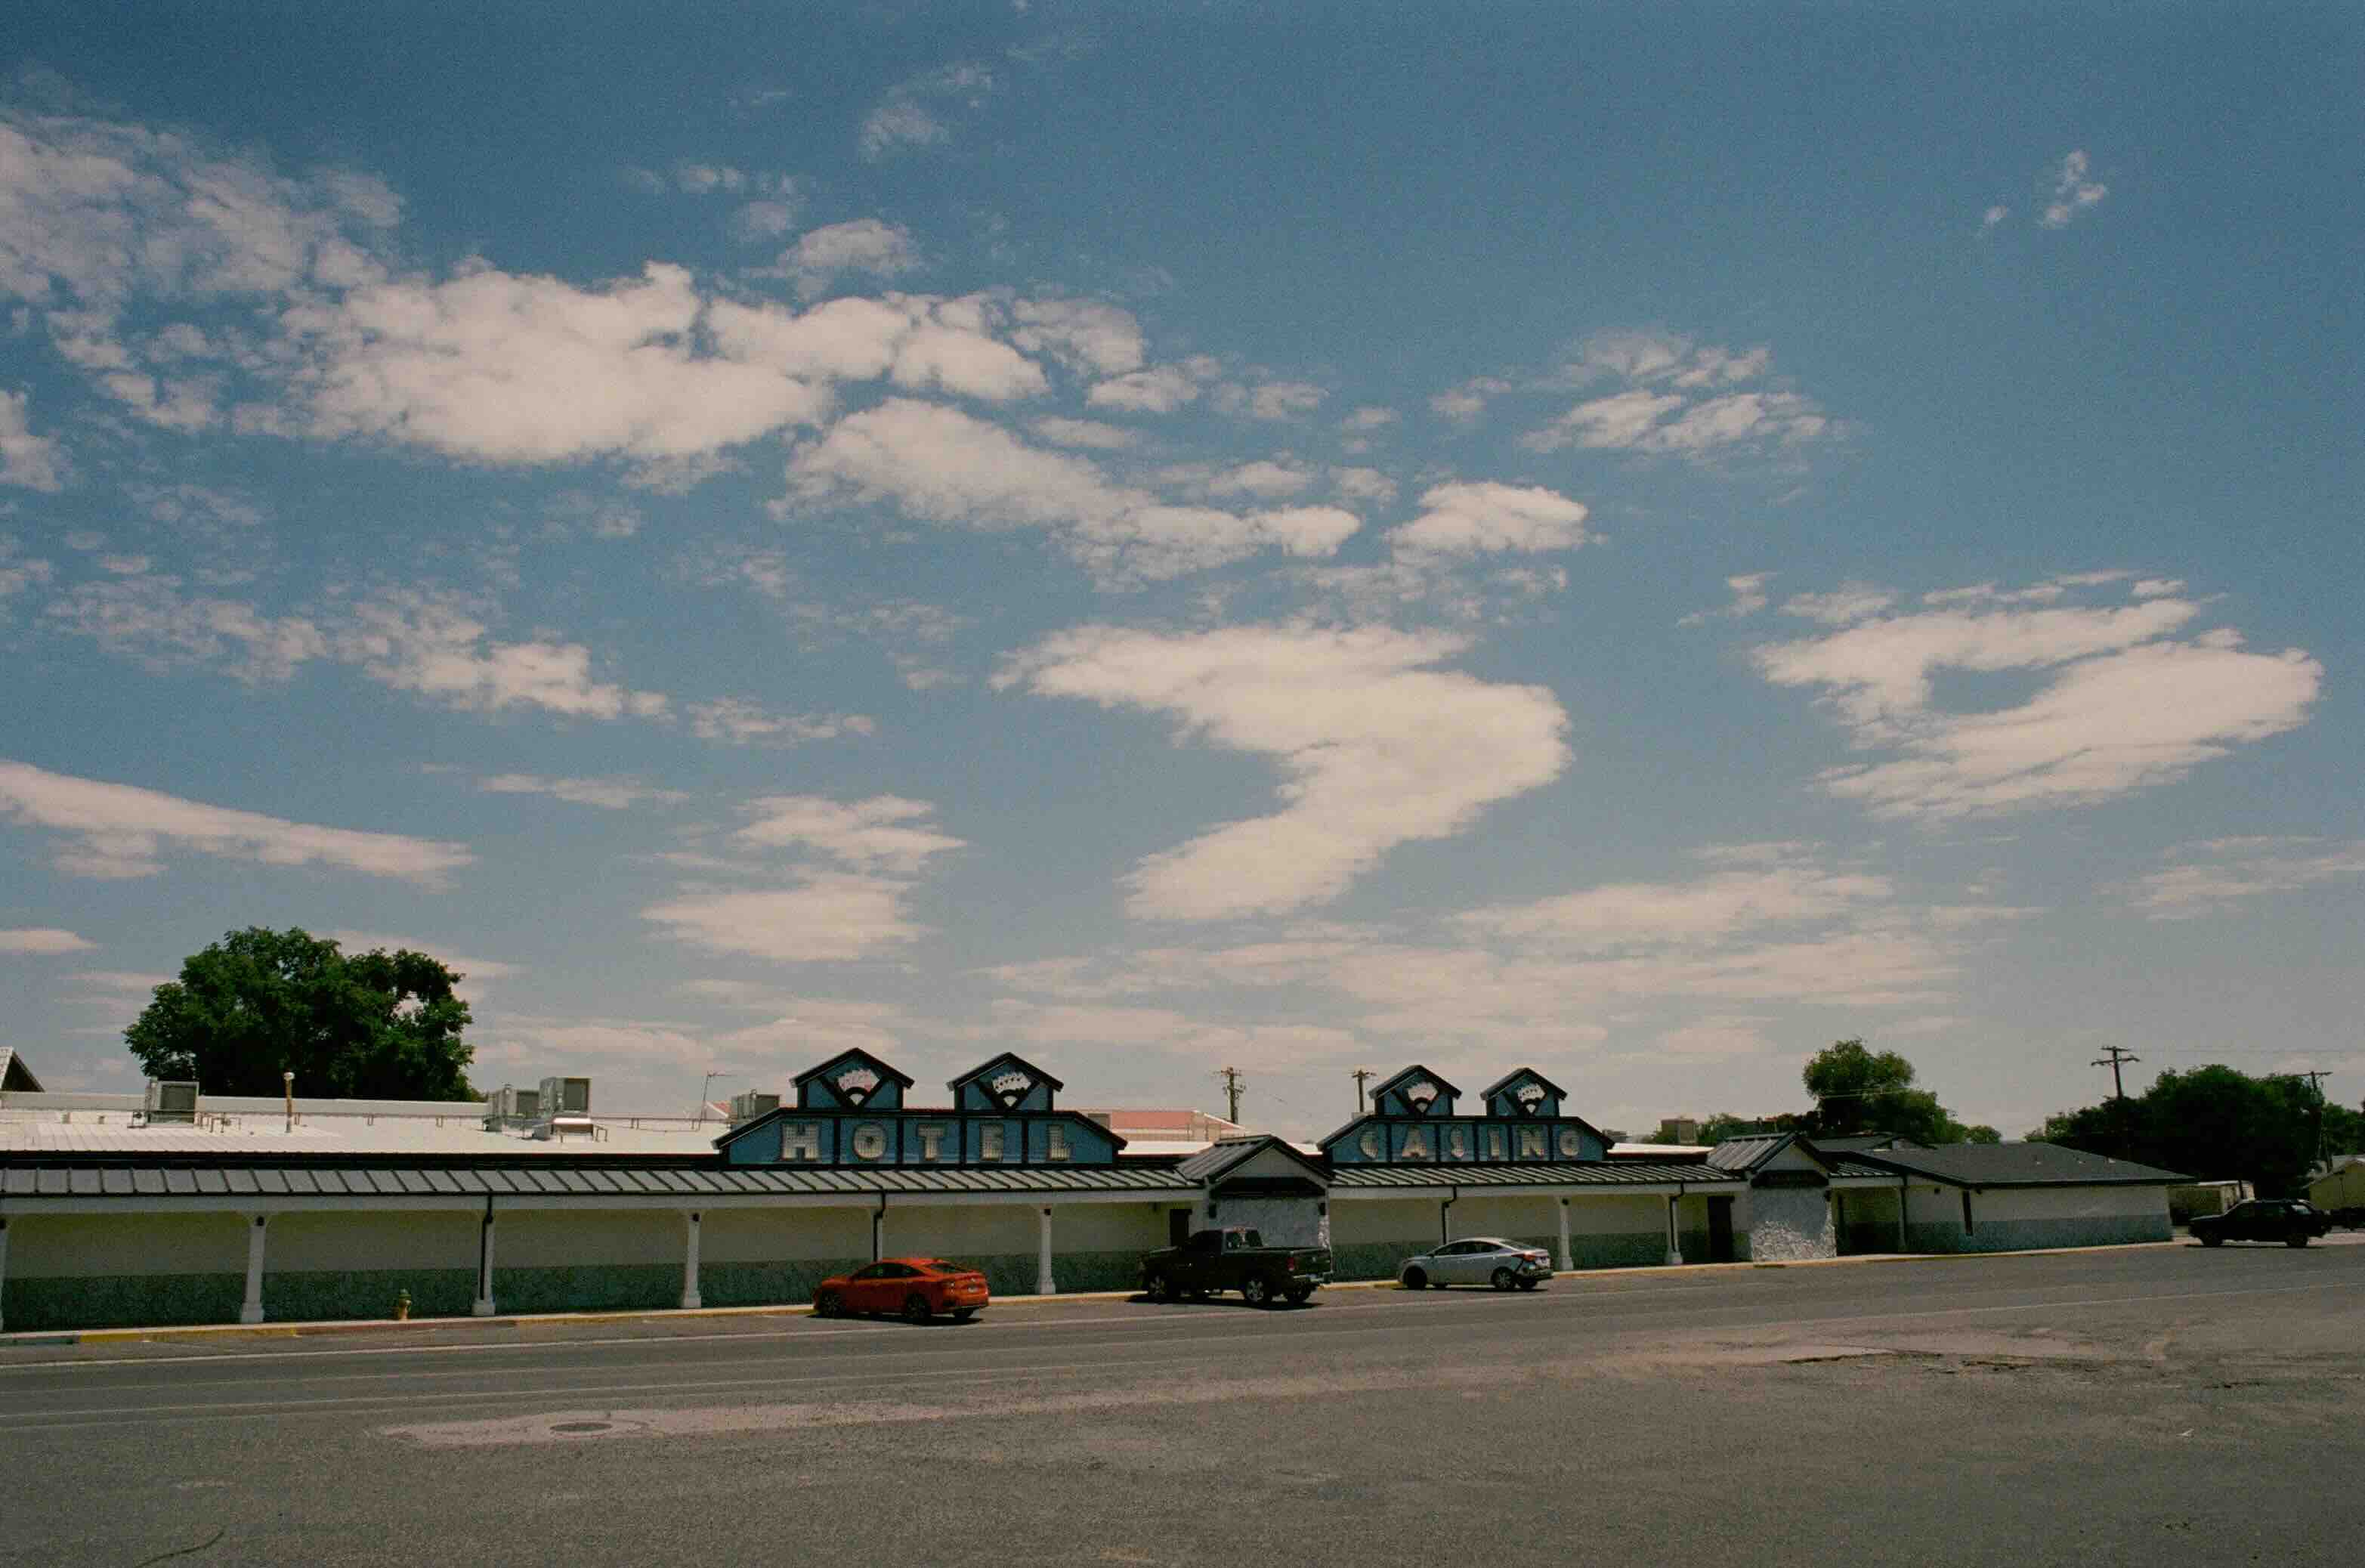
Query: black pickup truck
(1237, 1258)
(2294, 1222)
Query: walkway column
(1567, 1257)
(3, 1272)
(1901, 1215)
(252, 1311)
(1674, 1241)
(483, 1305)
(1044, 1283)
(691, 1300)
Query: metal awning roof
(30, 1182)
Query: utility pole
(1232, 1084)
(2315, 1081)
(1359, 1075)
(2116, 1059)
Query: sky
(1633, 541)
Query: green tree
(2216, 1124)
(377, 1025)
(1860, 1091)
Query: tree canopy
(374, 1025)
(1860, 1091)
(2215, 1124)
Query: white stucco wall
(97, 1246)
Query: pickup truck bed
(1214, 1261)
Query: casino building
(174, 1208)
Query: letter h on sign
(799, 1140)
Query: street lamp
(700, 1119)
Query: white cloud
(884, 833)
(437, 646)
(1160, 390)
(1273, 400)
(2125, 708)
(920, 343)
(1263, 477)
(1377, 749)
(119, 830)
(830, 917)
(942, 466)
(1992, 217)
(864, 245)
(757, 221)
(609, 794)
(2214, 876)
(1616, 917)
(1486, 517)
(147, 617)
(1685, 400)
(914, 112)
(1089, 433)
(1088, 337)
(43, 939)
(503, 368)
(33, 460)
(1464, 404)
(1748, 599)
(2073, 190)
(744, 723)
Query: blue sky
(1636, 544)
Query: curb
(328, 1326)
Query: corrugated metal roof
(590, 1184)
(1590, 1173)
(2016, 1165)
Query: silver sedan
(1478, 1260)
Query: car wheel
(1501, 1279)
(1300, 1297)
(915, 1309)
(963, 1313)
(829, 1303)
(2213, 1239)
(1416, 1280)
(1161, 1288)
(1530, 1285)
(1257, 1291)
(2296, 1239)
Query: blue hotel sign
(850, 1112)
(1412, 1122)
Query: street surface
(2146, 1405)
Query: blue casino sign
(850, 1112)
(1412, 1122)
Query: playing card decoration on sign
(857, 1085)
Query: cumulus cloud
(497, 367)
(1685, 400)
(2073, 190)
(740, 722)
(921, 111)
(917, 341)
(1160, 390)
(883, 833)
(854, 907)
(1748, 599)
(43, 939)
(147, 617)
(1486, 518)
(1087, 336)
(438, 647)
(609, 794)
(2209, 877)
(866, 246)
(1271, 400)
(121, 830)
(35, 462)
(1377, 748)
(2124, 703)
(1777, 885)
(942, 466)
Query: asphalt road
(2150, 1405)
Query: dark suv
(2294, 1222)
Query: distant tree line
(2216, 1124)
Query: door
(1720, 1230)
(1458, 1262)
(864, 1289)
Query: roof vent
(171, 1101)
(750, 1104)
(565, 1097)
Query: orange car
(915, 1289)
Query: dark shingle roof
(1586, 1173)
(2016, 1165)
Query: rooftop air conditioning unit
(172, 1101)
(750, 1104)
(564, 1097)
